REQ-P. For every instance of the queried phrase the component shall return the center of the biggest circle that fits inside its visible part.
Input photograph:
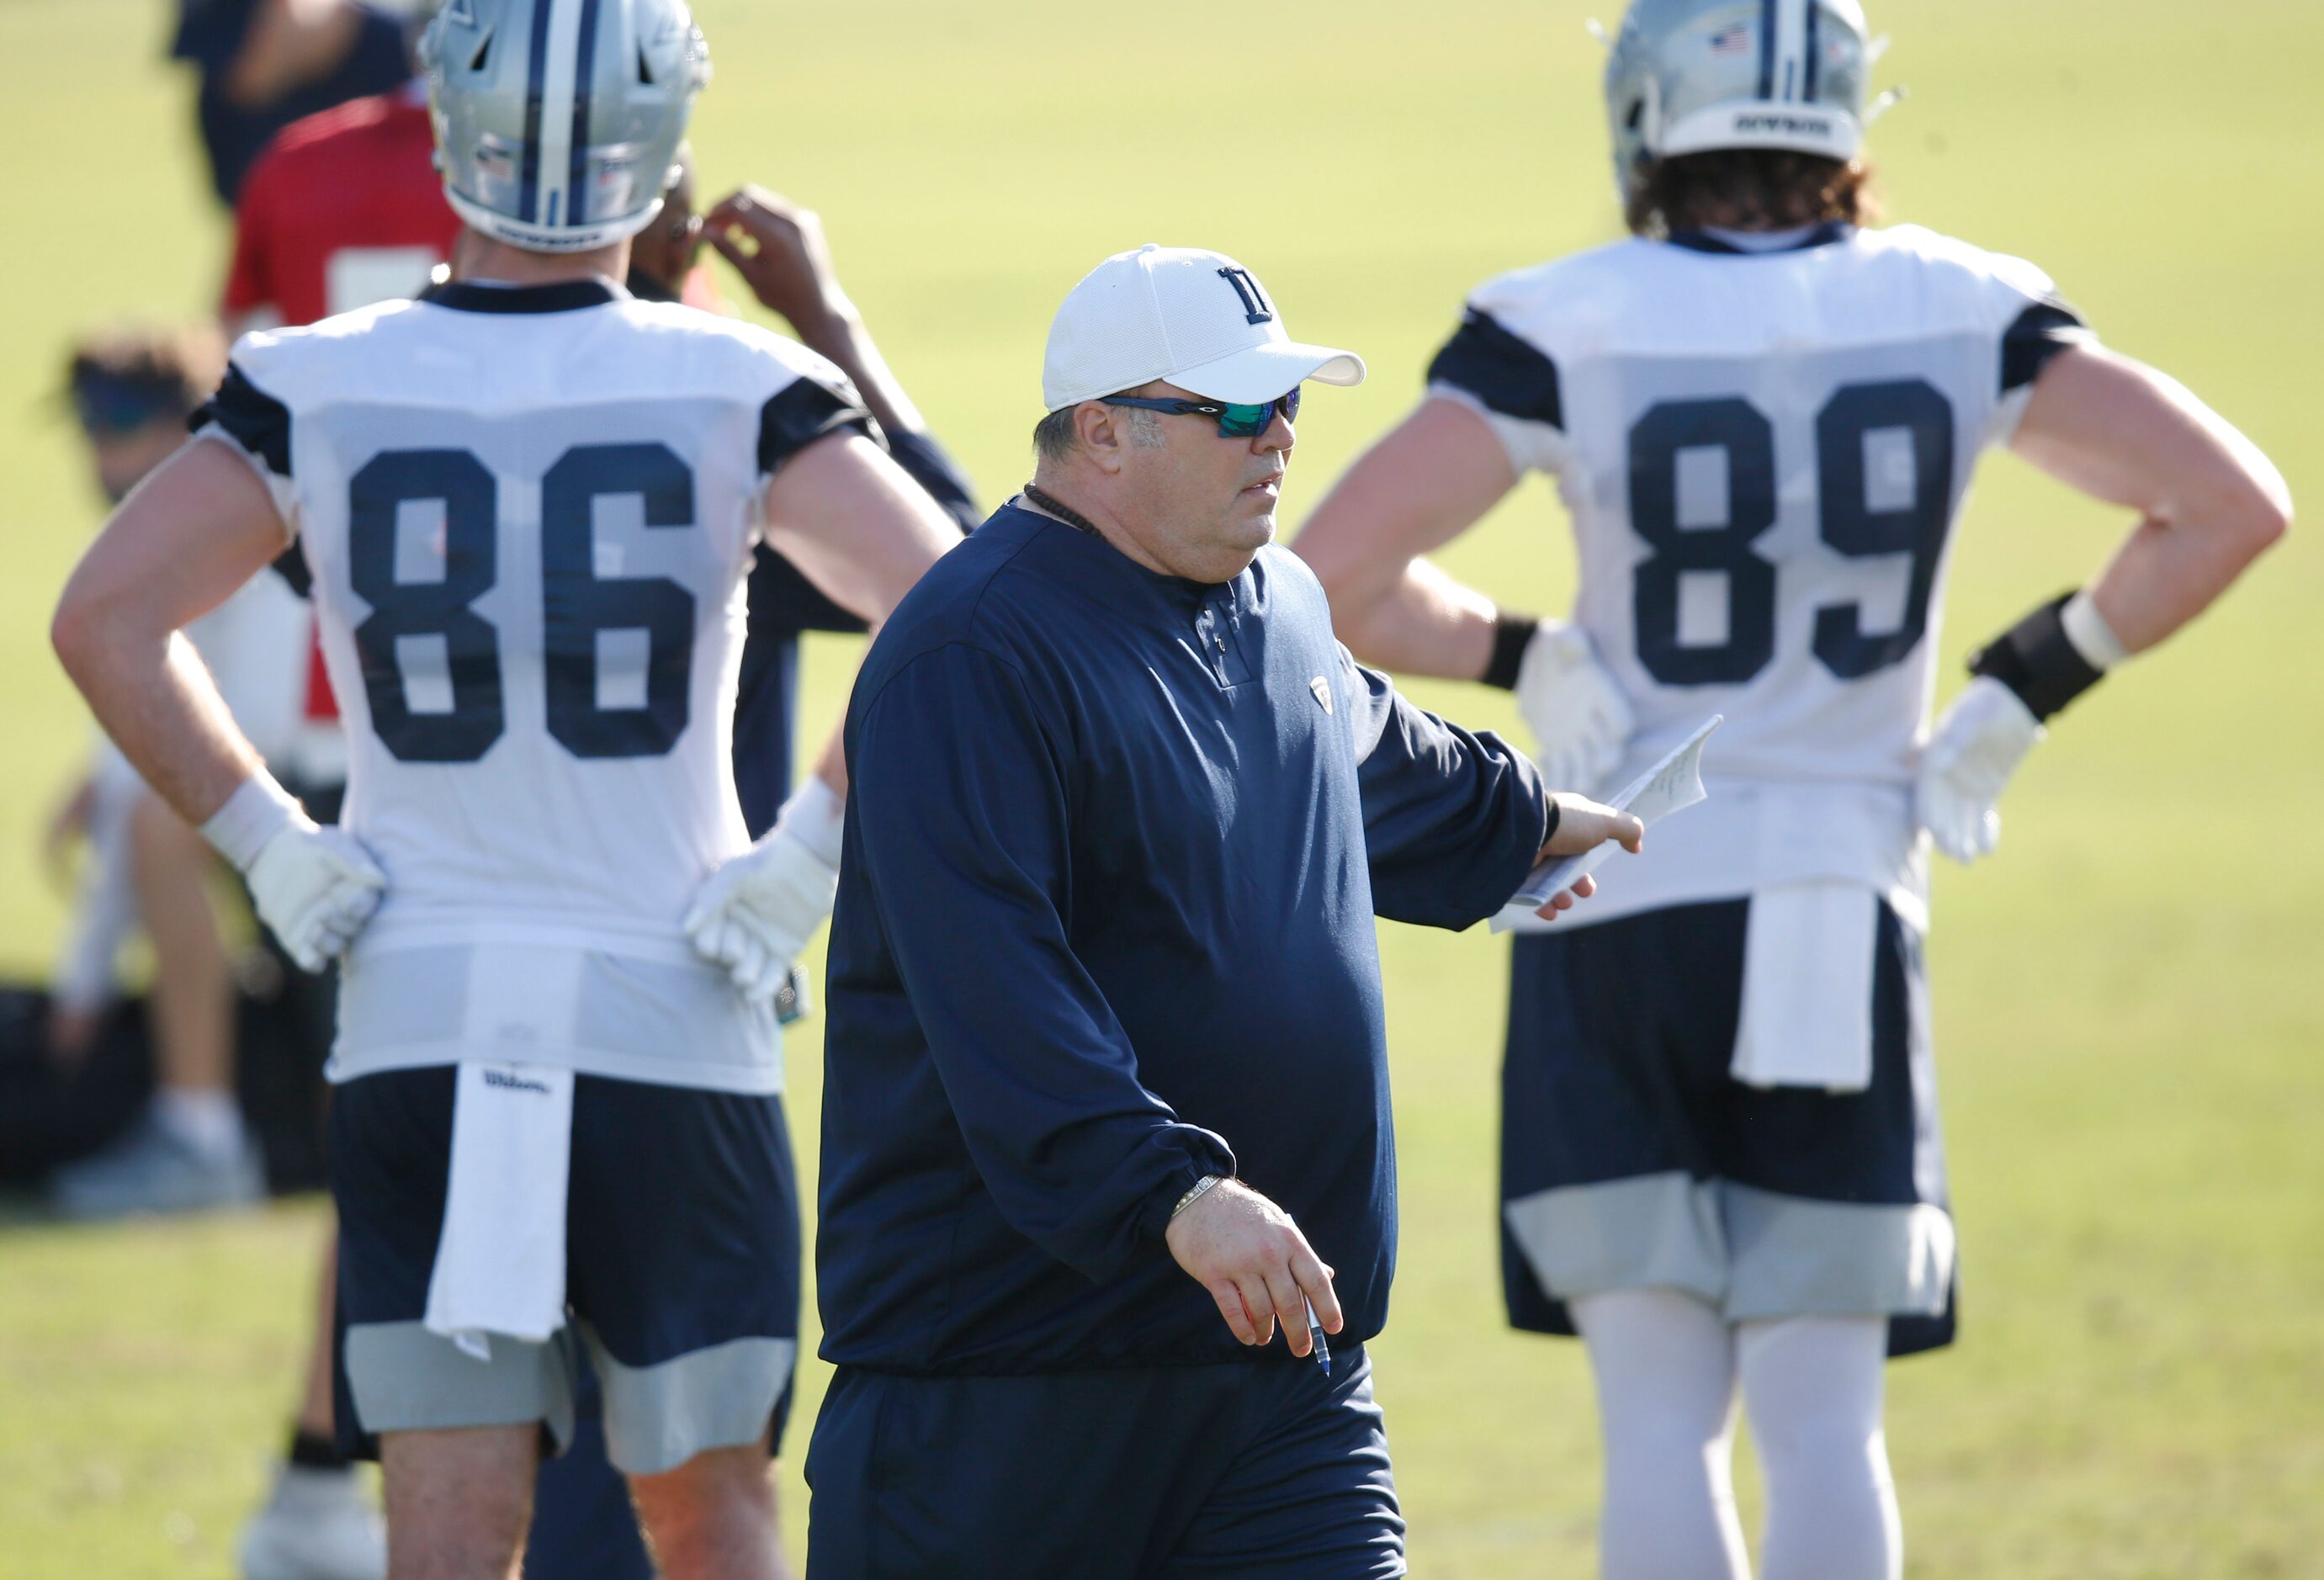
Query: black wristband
(1511, 632)
(2037, 660)
(1549, 823)
(315, 1451)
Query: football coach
(1107, 1097)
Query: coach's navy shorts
(1259, 1468)
(1630, 1158)
(682, 1270)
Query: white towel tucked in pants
(500, 1263)
(1807, 987)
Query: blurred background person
(1721, 1162)
(778, 248)
(264, 64)
(131, 391)
(191, 1149)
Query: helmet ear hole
(1637, 114)
(483, 53)
(645, 68)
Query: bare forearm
(1419, 488)
(831, 768)
(856, 527)
(2210, 503)
(839, 334)
(1424, 623)
(2163, 577)
(156, 700)
(191, 536)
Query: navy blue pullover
(1114, 844)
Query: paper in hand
(1672, 785)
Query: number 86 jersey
(1764, 453)
(529, 513)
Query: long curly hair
(1751, 189)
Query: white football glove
(313, 887)
(1574, 707)
(1967, 764)
(754, 914)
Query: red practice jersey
(343, 210)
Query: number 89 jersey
(529, 513)
(1764, 453)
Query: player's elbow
(2260, 515)
(1352, 583)
(92, 629)
(2273, 522)
(1318, 544)
(74, 629)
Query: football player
(527, 502)
(1721, 1159)
(343, 210)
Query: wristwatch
(1202, 1187)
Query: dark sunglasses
(110, 407)
(1236, 421)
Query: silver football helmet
(1690, 76)
(557, 121)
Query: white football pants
(1667, 1365)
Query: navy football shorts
(682, 1270)
(1256, 1468)
(1630, 1158)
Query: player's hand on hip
(777, 249)
(1256, 1265)
(756, 912)
(1968, 763)
(315, 888)
(1574, 707)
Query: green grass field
(2128, 994)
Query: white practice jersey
(1764, 453)
(529, 513)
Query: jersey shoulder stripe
(803, 411)
(1507, 373)
(252, 418)
(2039, 332)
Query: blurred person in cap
(777, 248)
(526, 501)
(1106, 1094)
(1764, 417)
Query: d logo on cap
(1256, 307)
(1161, 313)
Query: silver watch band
(1202, 1187)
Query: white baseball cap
(1197, 318)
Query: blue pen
(1315, 1337)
